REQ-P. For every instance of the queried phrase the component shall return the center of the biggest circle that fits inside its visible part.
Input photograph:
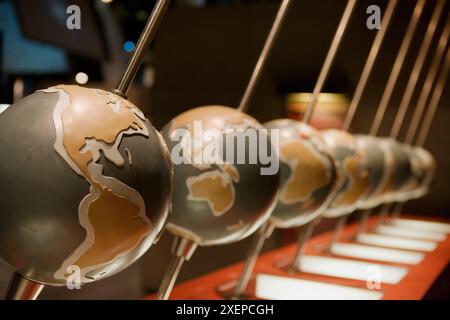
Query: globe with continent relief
(378, 157)
(308, 174)
(421, 164)
(353, 169)
(86, 184)
(218, 199)
(426, 171)
(401, 177)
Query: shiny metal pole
(20, 288)
(172, 273)
(257, 244)
(182, 250)
(255, 249)
(305, 234)
(370, 62)
(428, 84)
(417, 68)
(424, 94)
(335, 44)
(398, 64)
(393, 77)
(434, 101)
(384, 213)
(257, 71)
(146, 38)
(331, 55)
(410, 87)
(362, 225)
(266, 230)
(340, 225)
(397, 211)
(368, 67)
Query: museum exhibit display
(233, 150)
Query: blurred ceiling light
(18, 89)
(141, 15)
(81, 78)
(129, 46)
(107, 1)
(148, 79)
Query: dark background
(204, 54)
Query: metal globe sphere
(400, 179)
(308, 174)
(217, 199)
(86, 184)
(417, 174)
(424, 168)
(379, 160)
(353, 169)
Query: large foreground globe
(86, 182)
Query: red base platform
(413, 286)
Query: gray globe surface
(308, 174)
(86, 185)
(353, 171)
(223, 201)
(401, 179)
(427, 170)
(379, 160)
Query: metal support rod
(362, 225)
(398, 64)
(409, 91)
(417, 68)
(428, 84)
(182, 251)
(329, 59)
(257, 71)
(146, 38)
(338, 230)
(384, 213)
(370, 62)
(21, 288)
(434, 101)
(255, 249)
(397, 211)
(424, 94)
(304, 236)
(170, 277)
